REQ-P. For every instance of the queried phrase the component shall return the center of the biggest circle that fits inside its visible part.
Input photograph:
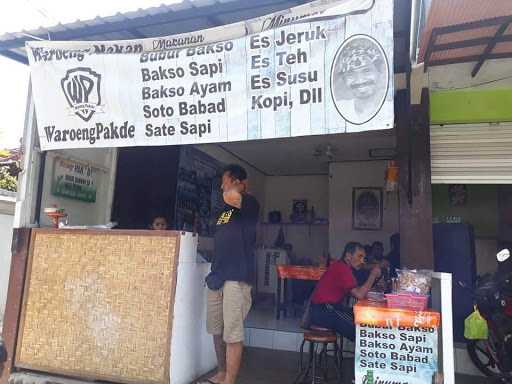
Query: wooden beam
(468, 59)
(485, 55)
(430, 46)
(454, 60)
(413, 144)
(469, 43)
(20, 250)
(473, 25)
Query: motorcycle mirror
(503, 255)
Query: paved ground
(263, 366)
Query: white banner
(321, 68)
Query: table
(295, 272)
(395, 345)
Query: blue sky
(30, 14)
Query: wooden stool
(319, 340)
(339, 344)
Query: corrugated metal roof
(164, 20)
(185, 16)
(466, 27)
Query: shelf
(298, 224)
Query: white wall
(82, 213)
(459, 75)
(282, 190)
(309, 242)
(343, 178)
(6, 221)
(192, 352)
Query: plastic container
(376, 296)
(404, 300)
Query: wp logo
(81, 86)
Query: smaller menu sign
(398, 355)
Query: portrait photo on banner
(359, 79)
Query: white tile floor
(263, 330)
(264, 317)
(272, 339)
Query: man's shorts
(227, 309)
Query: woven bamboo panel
(98, 305)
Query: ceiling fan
(325, 152)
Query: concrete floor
(264, 366)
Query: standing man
(229, 283)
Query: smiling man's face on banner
(358, 68)
(360, 79)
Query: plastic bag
(413, 281)
(475, 326)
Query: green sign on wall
(74, 180)
(471, 106)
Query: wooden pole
(20, 249)
(413, 143)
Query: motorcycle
(493, 298)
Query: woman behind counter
(327, 309)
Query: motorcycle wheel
(483, 359)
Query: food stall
(93, 97)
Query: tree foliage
(8, 178)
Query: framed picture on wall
(457, 195)
(299, 211)
(367, 210)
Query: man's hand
(376, 272)
(233, 198)
(361, 292)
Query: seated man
(393, 257)
(376, 252)
(337, 282)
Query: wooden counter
(114, 305)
